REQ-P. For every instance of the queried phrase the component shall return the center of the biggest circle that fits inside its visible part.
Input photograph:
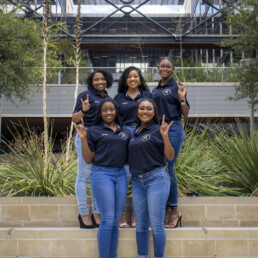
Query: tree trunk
(77, 63)
(45, 43)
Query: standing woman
(105, 145)
(86, 107)
(131, 88)
(170, 97)
(149, 148)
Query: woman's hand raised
(85, 104)
(80, 129)
(164, 128)
(181, 91)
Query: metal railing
(66, 75)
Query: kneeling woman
(105, 145)
(148, 148)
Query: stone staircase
(47, 227)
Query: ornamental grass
(238, 156)
(22, 169)
(217, 162)
(198, 173)
(212, 162)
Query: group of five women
(139, 129)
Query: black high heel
(94, 221)
(82, 225)
(179, 222)
(175, 218)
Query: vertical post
(59, 77)
(252, 124)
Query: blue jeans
(83, 176)
(109, 186)
(176, 136)
(127, 170)
(150, 194)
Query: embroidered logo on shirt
(134, 124)
(123, 136)
(146, 138)
(166, 92)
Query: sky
(146, 9)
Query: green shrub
(22, 170)
(196, 170)
(213, 163)
(238, 156)
(200, 73)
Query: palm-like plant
(238, 156)
(23, 173)
(196, 169)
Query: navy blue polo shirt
(94, 98)
(146, 149)
(111, 148)
(127, 106)
(167, 101)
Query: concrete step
(63, 212)
(187, 242)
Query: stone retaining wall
(181, 243)
(62, 211)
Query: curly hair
(122, 85)
(98, 118)
(166, 58)
(156, 117)
(107, 75)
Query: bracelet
(182, 101)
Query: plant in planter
(238, 157)
(216, 162)
(196, 170)
(22, 172)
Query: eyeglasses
(163, 67)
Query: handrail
(150, 67)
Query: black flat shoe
(82, 225)
(94, 221)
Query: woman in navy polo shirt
(86, 107)
(105, 145)
(149, 148)
(170, 97)
(131, 88)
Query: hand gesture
(80, 129)
(181, 91)
(85, 104)
(164, 128)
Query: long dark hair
(122, 85)
(166, 58)
(98, 118)
(107, 75)
(156, 117)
